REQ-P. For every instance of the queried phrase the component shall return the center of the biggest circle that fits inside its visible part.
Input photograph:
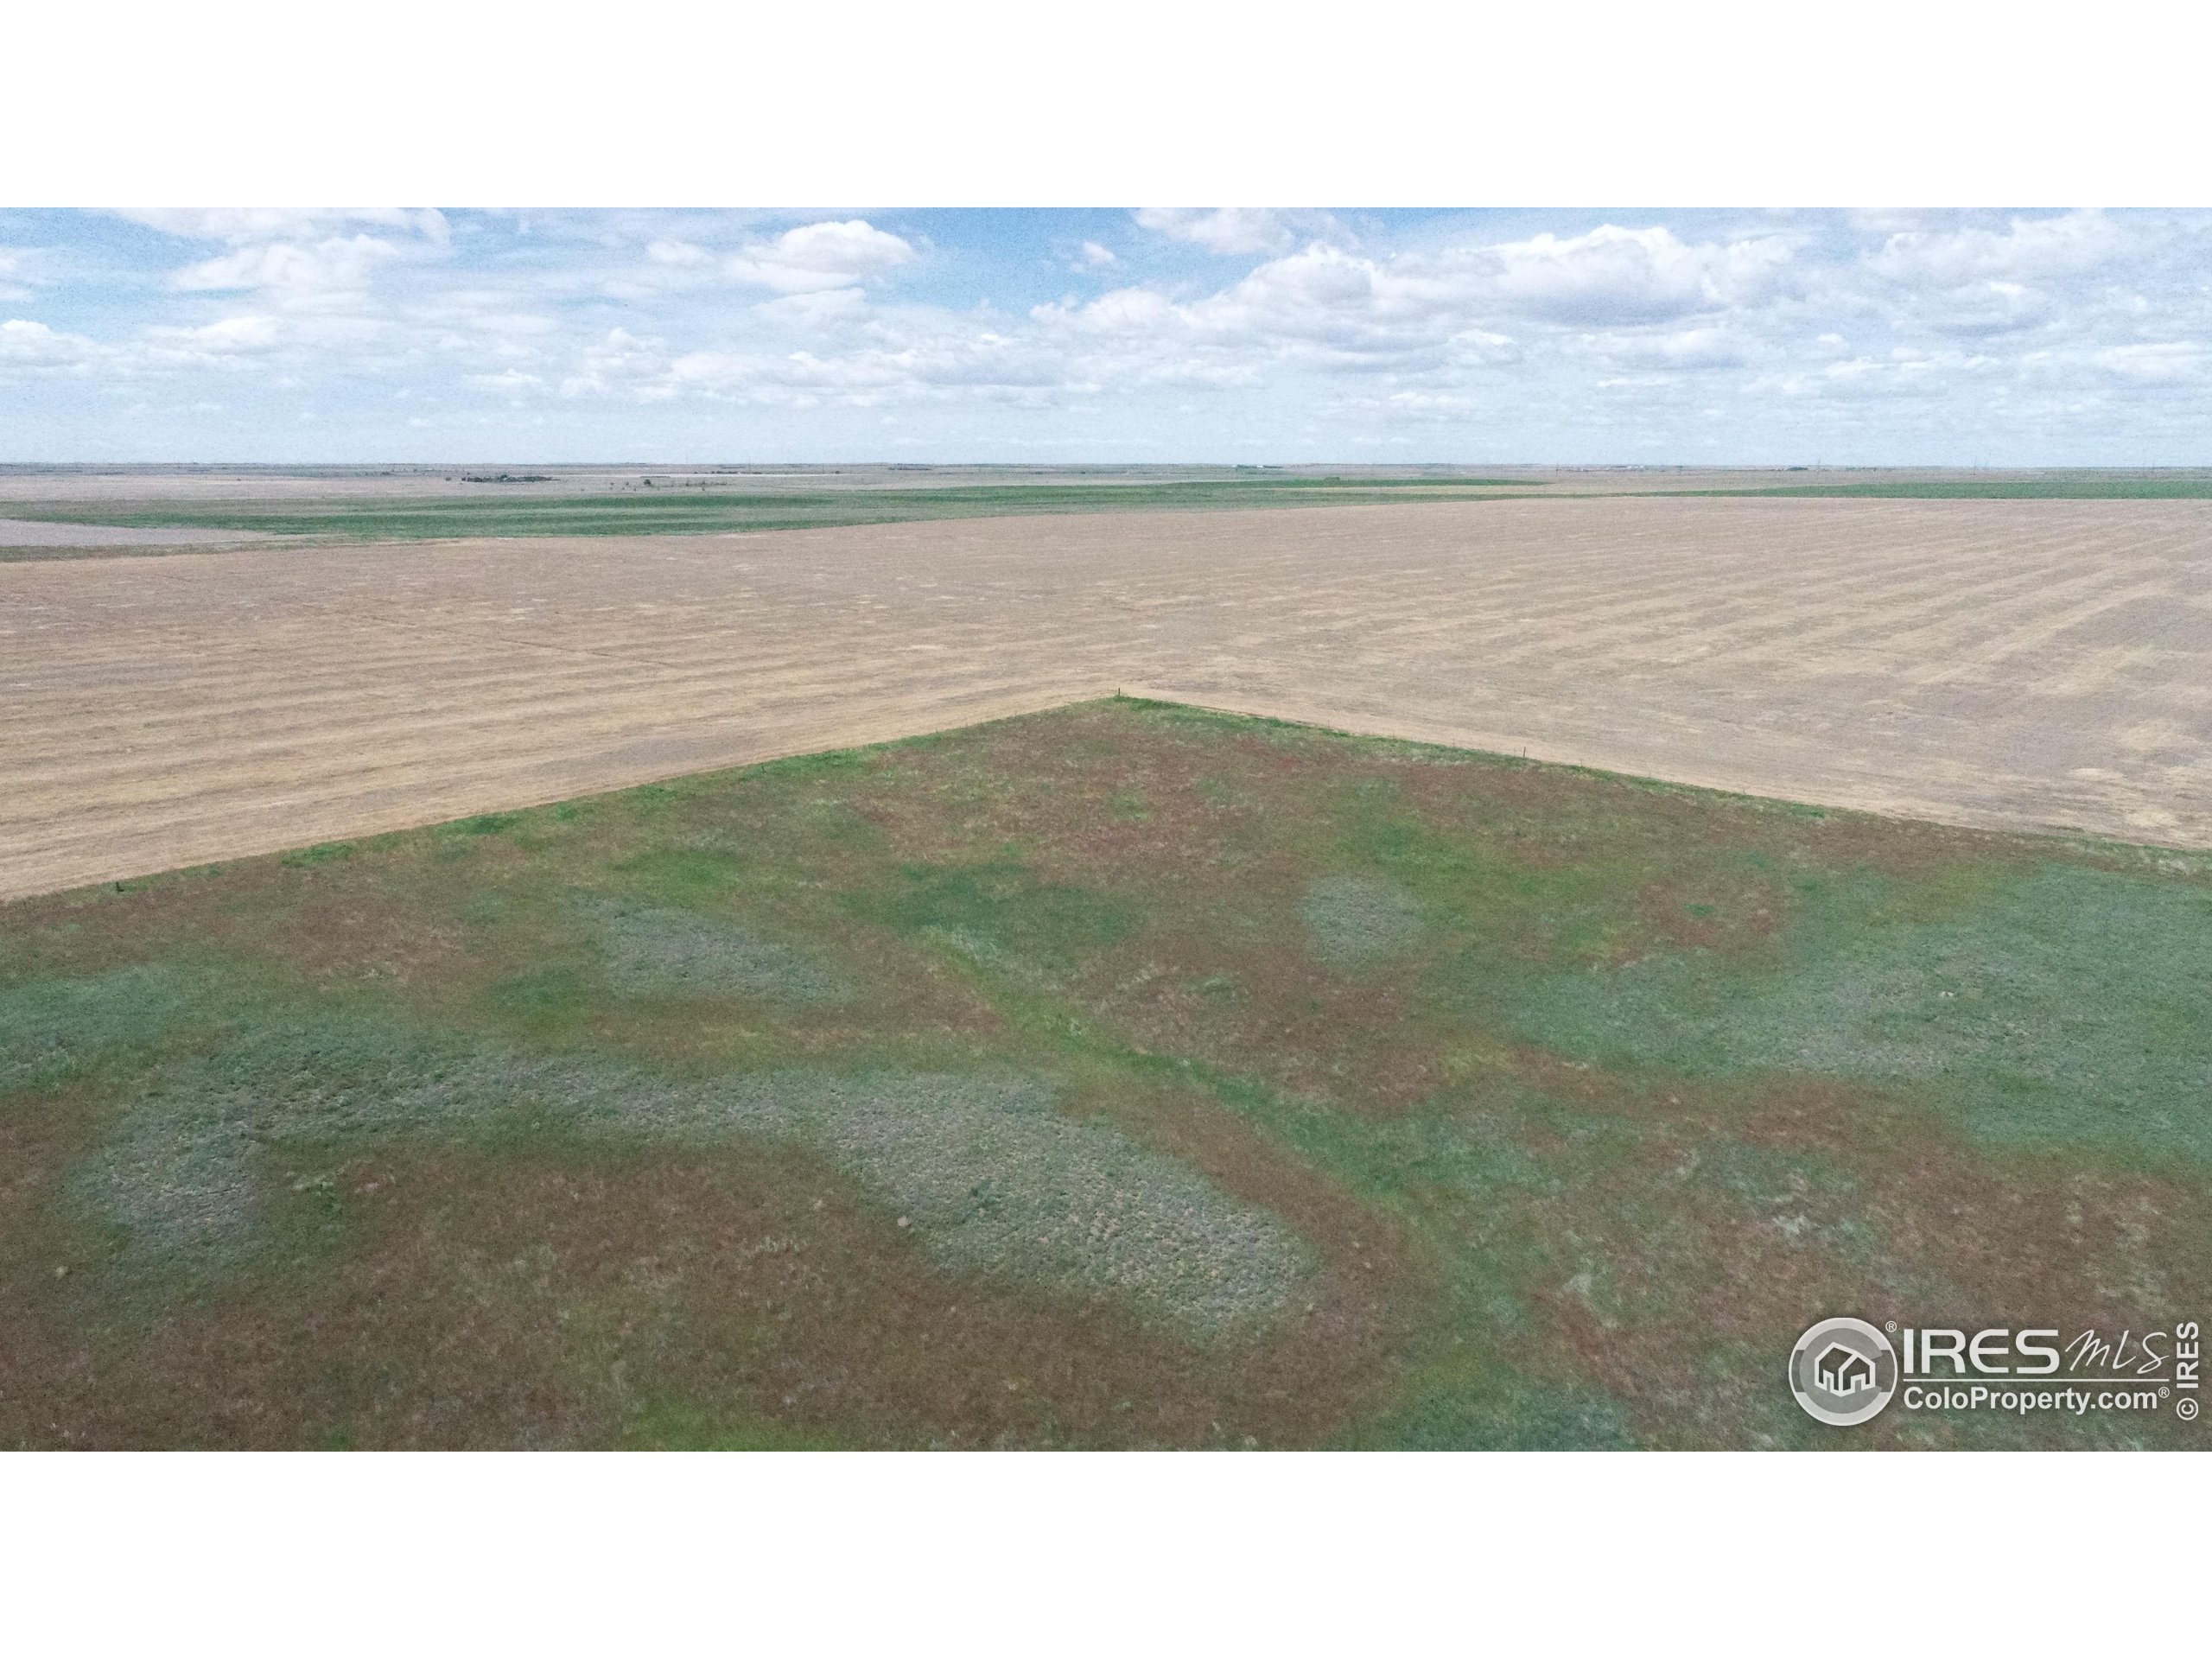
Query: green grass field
(1121, 1076)
(713, 506)
(693, 505)
(717, 507)
(2043, 486)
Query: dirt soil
(2041, 664)
(30, 532)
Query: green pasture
(700, 507)
(1121, 1076)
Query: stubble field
(2007, 664)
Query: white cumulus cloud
(243, 227)
(1614, 275)
(2025, 250)
(238, 336)
(833, 254)
(28, 345)
(339, 264)
(1222, 230)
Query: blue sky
(1107, 336)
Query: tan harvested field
(29, 532)
(2042, 664)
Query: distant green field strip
(2092, 487)
(689, 511)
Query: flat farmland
(1125, 1075)
(2027, 664)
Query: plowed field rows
(2004, 663)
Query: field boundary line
(67, 875)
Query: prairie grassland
(1121, 1076)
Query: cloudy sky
(1223, 335)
